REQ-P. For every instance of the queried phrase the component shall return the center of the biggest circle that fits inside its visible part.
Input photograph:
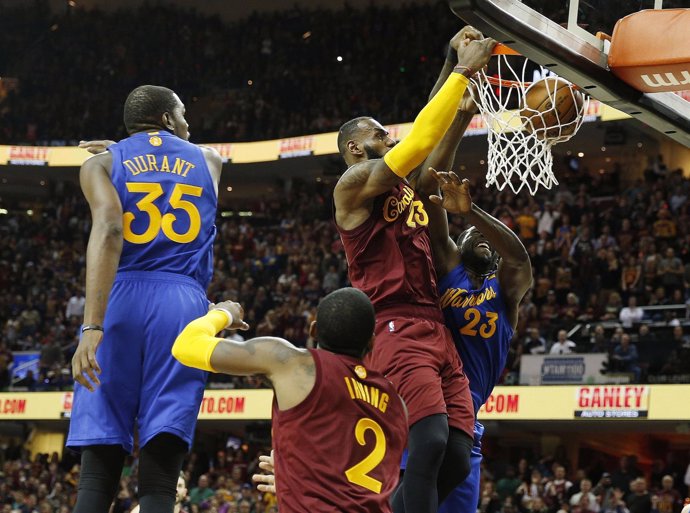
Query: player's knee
(428, 438)
(160, 463)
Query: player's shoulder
(103, 159)
(356, 174)
(210, 153)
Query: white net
(521, 137)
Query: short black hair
(345, 322)
(347, 131)
(145, 106)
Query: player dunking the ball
(339, 427)
(383, 226)
(149, 260)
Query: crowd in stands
(271, 75)
(218, 481)
(591, 255)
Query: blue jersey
(169, 205)
(480, 327)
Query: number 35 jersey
(169, 205)
(339, 450)
(480, 327)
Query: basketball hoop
(522, 134)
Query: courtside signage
(612, 402)
(257, 151)
(607, 403)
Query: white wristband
(231, 319)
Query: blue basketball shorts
(142, 384)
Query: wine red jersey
(389, 255)
(340, 449)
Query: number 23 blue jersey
(169, 205)
(480, 327)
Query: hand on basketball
(266, 482)
(85, 368)
(237, 313)
(95, 147)
(468, 32)
(475, 54)
(455, 193)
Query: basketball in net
(525, 119)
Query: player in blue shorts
(482, 276)
(153, 203)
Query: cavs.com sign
(612, 402)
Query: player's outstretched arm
(96, 146)
(102, 258)
(290, 369)
(366, 180)
(515, 269)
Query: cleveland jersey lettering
(168, 202)
(389, 255)
(481, 330)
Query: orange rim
(501, 49)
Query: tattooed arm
(291, 370)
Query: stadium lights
(339, 58)
(30, 212)
(246, 213)
(229, 189)
(581, 154)
(603, 148)
(3, 211)
(306, 35)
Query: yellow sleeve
(429, 127)
(194, 346)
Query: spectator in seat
(563, 345)
(585, 492)
(631, 314)
(680, 341)
(639, 500)
(604, 492)
(668, 499)
(201, 492)
(617, 504)
(557, 488)
(599, 341)
(625, 358)
(507, 485)
(670, 271)
(535, 343)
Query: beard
(478, 264)
(372, 153)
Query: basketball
(554, 104)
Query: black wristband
(88, 327)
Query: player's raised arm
(515, 269)
(102, 258)
(277, 359)
(365, 180)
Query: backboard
(560, 35)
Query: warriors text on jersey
(480, 327)
(339, 450)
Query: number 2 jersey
(169, 205)
(339, 450)
(480, 327)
